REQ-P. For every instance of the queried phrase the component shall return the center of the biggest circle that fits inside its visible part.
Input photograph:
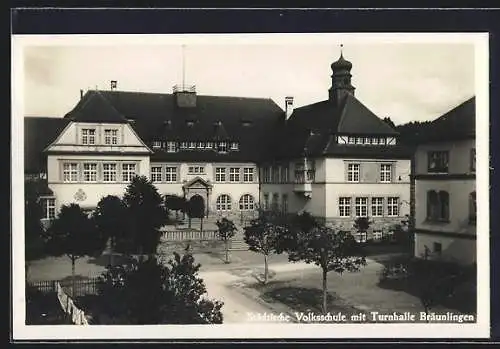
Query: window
(184, 145)
(438, 206)
(234, 174)
(393, 207)
(359, 140)
(247, 202)
(473, 159)
(381, 141)
(345, 207)
(170, 174)
(222, 147)
(223, 203)
(361, 207)
(248, 174)
(171, 147)
(385, 173)
(284, 203)
(234, 146)
(276, 174)
(88, 136)
(220, 174)
(210, 145)
(201, 145)
(310, 175)
(70, 172)
(156, 174)
(156, 144)
(368, 140)
(109, 172)
(267, 174)
(196, 170)
(377, 207)
(275, 202)
(375, 141)
(437, 161)
(351, 140)
(192, 145)
(377, 235)
(128, 172)
(361, 237)
(437, 248)
(353, 172)
(472, 207)
(111, 137)
(284, 174)
(266, 201)
(48, 207)
(89, 172)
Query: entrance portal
(198, 205)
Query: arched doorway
(197, 203)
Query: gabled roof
(358, 119)
(155, 116)
(94, 107)
(456, 124)
(39, 132)
(311, 129)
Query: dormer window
(111, 136)
(210, 145)
(201, 145)
(171, 147)
(192, 145)
(156, 144)
(223, 147)
(234, 146)
(88, 136)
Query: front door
(198, 205)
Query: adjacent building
(335, 158)
(445, 187)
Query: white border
(481, 329)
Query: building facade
(335, 158)
(445, 188)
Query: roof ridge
(172, 94)
(111, 105)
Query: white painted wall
(462, 251)
(459, 156)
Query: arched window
(444, 205)
(247, 202)
(432, 205)
(472, 207)
(223, 203)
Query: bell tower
(341, 78)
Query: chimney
(185, 96)
(113, 84)
(288, 107)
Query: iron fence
(187, 235)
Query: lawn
(350, 293)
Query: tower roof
(341, 64)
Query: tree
(263, 236)
(226, 230)
(403, 234)
(330, 249)
(389, 122)
(33, 231)
(149, 292)
(145, 214)
(175, 203)
(110, 219)
(73, 234)
(362, 224)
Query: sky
(403, 81)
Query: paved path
(239, 308)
